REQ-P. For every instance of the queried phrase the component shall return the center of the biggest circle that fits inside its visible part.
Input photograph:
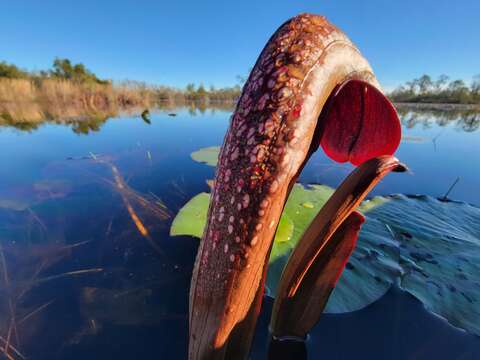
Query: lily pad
(285, 229)
(439, 254)
(192, 217)
(430, 248)
(370, 271)
(208, 155)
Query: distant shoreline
(437, 106)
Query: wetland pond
(89, 268)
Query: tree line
(441, 90)
(61, 69)
(65, 69)
(424, 89)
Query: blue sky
(176, 42)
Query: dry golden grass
(24, 100)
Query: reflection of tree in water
(197, 106)
(470, 122)
(80, 126)
(467, 120)
(25, 126)
(89, 125)
(86, 125)
(192, 110)
(7, 120)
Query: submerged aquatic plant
(23, 268)
(132, 199)
(52, 265)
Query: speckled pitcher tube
(309, 87)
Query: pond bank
(29, 101)
(437, 106)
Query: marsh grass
(30, 100)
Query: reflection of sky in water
(53, 195)
(436, 155)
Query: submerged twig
(12, 326)
(4, 268)
(66, 247)
(34, 312)
(178, 188)
(15, 350)
(69, 273)
(109, 228)
(32, 280)
(158, 201)
(36, 218)
(5, 351)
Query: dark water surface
(80, 280)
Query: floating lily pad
(430, 248)
(208, 155)
(439, 249)
(192, 217)
(370, 271)
(285, 229)
(300, 216)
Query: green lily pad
(430, 248)
(192, 217)
(301, 217)
(284, 230)
(208, 155)
(370, 271)
(439, 254)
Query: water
(82, 281)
